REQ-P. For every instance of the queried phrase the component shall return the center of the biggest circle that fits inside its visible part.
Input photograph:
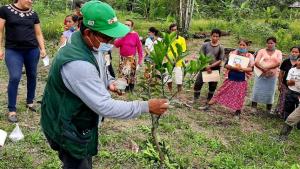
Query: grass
(193, 138)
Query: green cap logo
(91, 23)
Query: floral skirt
(231, 94)
(281, 99)
(127, 69)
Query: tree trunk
(185, 14)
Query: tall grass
(207, 25)
(53, 26)
(295, 26)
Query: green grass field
(194, 139)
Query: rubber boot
(209, 96)
(285, 131)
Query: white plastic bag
(3, 136)
(46, 61)
(16, 134)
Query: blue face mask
(151, 37)
(72, 29)
(293, 58)
(105, 47)
(242, 50)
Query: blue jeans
(14, 59)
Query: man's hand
(1, 54)
(158, 106)
(208, 69)
(113, 88)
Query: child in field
(71, 25)
(178, 70)
(233, 91)
(152, 39)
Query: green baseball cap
(100, 17)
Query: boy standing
(178, 72)
(216, 52)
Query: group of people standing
(77, 95)
(267, 68)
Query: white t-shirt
(150, 44)
(294, 74)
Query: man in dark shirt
(216, 52)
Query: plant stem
(162, 85)
(155, 124)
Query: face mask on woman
(72, 29)
(242, 50)
(151, 37)
(293, 58)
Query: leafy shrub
(279, 24)
(295, 166)
(51, 17)
(295, 37)
(285, 40)
(256, 32)
(208, 25)
(52, 27)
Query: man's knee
(294, 118)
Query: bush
(208, 25)
(52, 27)
(51, 17)
(285, 40)
(256, 32)
(279, 24)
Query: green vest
(65, 118)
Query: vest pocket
(79, 145)
(72, 134)
(74, 137)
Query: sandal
(12, 117)
(30, 107)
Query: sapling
(154, 81)
(194, 66)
